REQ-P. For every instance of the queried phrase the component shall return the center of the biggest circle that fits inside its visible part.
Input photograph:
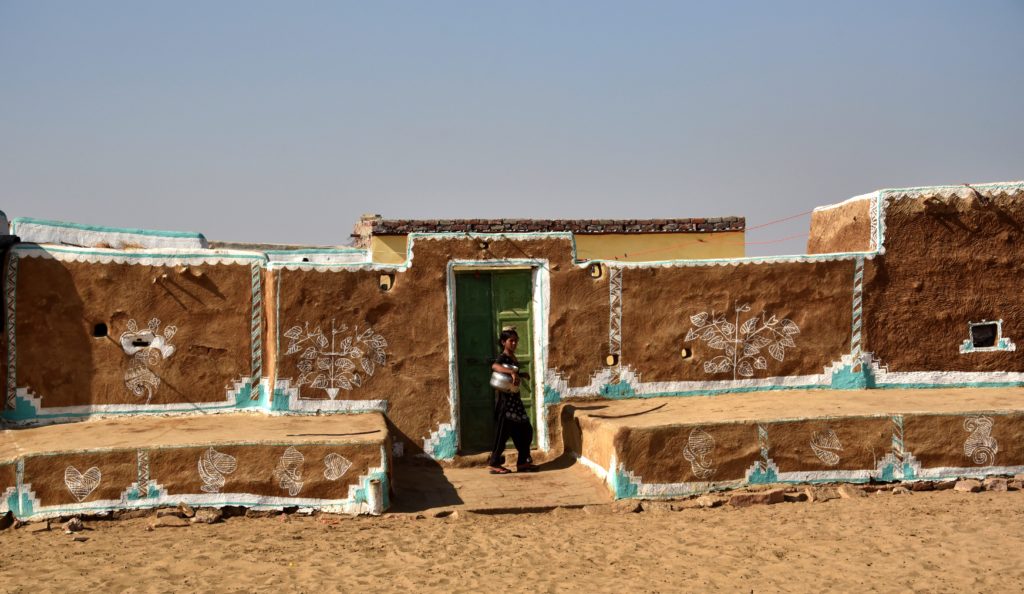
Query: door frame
(540, 299)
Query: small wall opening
(686, 353)
(611, 360)
(984, 334)
(99, 330)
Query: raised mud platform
(334, 463)
(673, 447)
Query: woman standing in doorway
(510, 418)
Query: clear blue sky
(282, 122)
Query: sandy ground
(928, 542)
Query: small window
(99, 330)
(986, 336)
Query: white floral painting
(337, 359)
(743, 341)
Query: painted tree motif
(338, 359)
(742, 344)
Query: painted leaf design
(691, 335)
(344, 383)
(294, 332)
(379, 358)
(356, 380)
(379, 342)
(303, 379)
(344, 364)
(787, 342)
(170, 331)
(743, 308)
(708, 333)
(305, 365)
(730, 350)
(367, 366)
(718, 343)
(745, 369)
(748, 326)
(346, 346)
(699, 319)
(728, 328)
(710, 367)
(777, 351)
(293, 348)
(772, 321)
(323, 363)
(749, 349)
(321, 341)
(789, 327)
(133, 326)
(320, 382)
(759, 342)
(356, 352)
(760, 363)
(154, 324)
(310, 353)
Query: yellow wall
(633, 247)
(648, 247)
(389, 249)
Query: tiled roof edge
(579, 226)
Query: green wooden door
(474, 331)
(511, 293)
(487, 301)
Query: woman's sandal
(499, 470)
(528, 468)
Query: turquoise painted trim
(621, 484)
(845, 378)
(22, 411)
(958, 385)
(360, 495)
(99, 228)
(23, 247)
(763, 476)
(447, 445)
(616, 391)
(551, 396)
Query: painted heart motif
(336, 466)
(82, 485)
(289, 471)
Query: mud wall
(842, 227)
(114, 333)
(850, 449)
(949, 260)
(739, 321)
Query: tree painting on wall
(339, 359)
(743, 345)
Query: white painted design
(213, 466)
(289, 471)
(335, 360)
(1001, 343)
(980, 446)
(81, 484)
(10, 295)
(335, 466)
(154, 257)
(142, 472)
(59, 232)
(147, 348)
(742, 343)
(826, 445)
(615, 311)
(697, 452)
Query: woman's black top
(510, 405)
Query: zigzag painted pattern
(858, 310)
(12, 355)
(615, 311)
(257, 328)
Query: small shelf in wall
(986, 336)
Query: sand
(933, 541)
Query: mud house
(900, 289)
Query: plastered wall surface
(840, 228)
(204, 463)
(945, 265)
(174, 334)
(655, 452)
(645, 247)
(742, 321)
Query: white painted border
(540, 300)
